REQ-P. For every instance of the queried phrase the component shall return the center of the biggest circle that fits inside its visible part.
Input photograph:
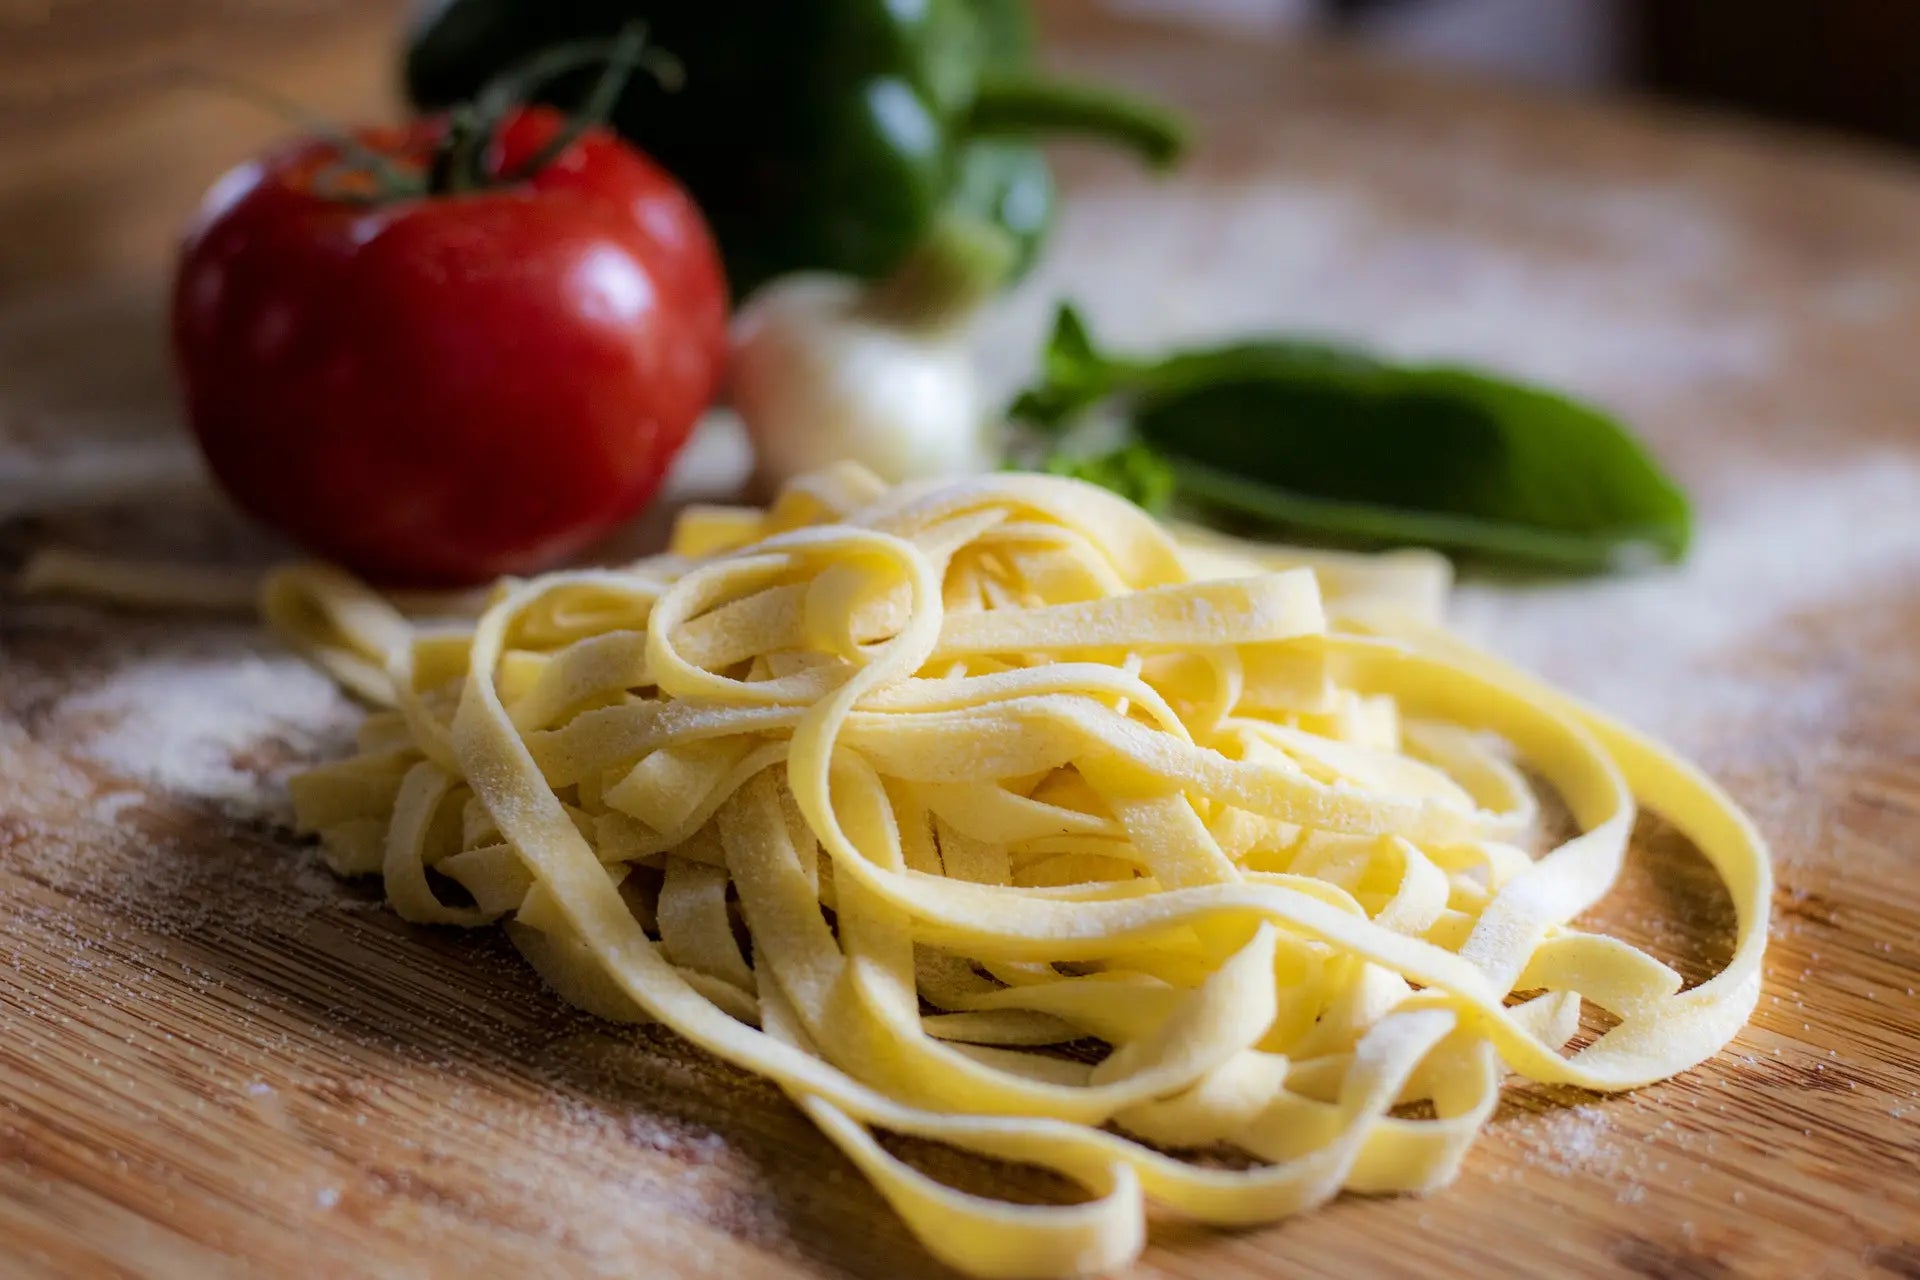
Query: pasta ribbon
(993, 813)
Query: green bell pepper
(817, 134)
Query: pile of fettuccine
(886, 795)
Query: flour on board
(217, 727)
(1570, 1140)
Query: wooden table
(214, 1060)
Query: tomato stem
(456, 162)
(629, 52)
(460, 162)
(362, 175)
(389, 180)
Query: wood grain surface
(215, 1060)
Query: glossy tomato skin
(440, 390)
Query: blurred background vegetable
(967, 67)
(827, 367)
(819, 135)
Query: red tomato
(443, 389)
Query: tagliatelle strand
(879, 794)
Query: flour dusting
(215, 728)
(1572, 1140)
(1577, 1142)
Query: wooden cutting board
(215, 1060)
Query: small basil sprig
(1133, 471)
(1321, 439)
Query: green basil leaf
(1073, 376)
(1319, 438)
(1133, 471)
(1437, 456)
(1247, 359)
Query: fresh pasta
(991, 813)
